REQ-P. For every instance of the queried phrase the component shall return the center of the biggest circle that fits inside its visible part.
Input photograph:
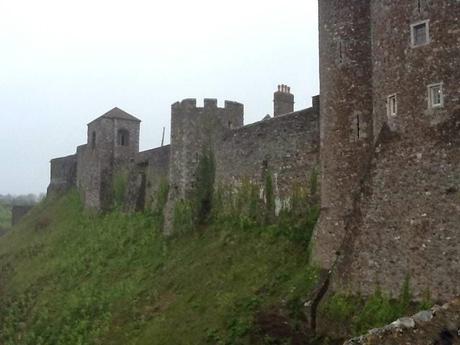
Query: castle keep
(386, 136)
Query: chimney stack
(283, 101)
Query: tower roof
(117, 113)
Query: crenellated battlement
(189, 104)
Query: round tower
(409, 227)
(346, 117)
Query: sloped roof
(117, 113)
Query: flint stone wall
(410, 206)
(391, 210)
(286, 146)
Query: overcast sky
(63, 63)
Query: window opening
(123, 137)
(392, 105)
(340, 52)
(420, 33)
(357, 126)
(435, 95)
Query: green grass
(68, 277)
(355, 315)
(5, 216)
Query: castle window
(340, 49)
(421, 5)
(358, 127)
(93, 140)
(123, 137)
(420, 33)
(392, 105)
(435, 96)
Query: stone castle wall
(63, 174)
(287, 146)
(146, 178)
(195, 130)
(410, 222)
(346, 115)
(402, 208)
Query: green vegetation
(233, 275)
(243, 208)
(357, 314)
(120, 184)
(69, 277)
(5, 216)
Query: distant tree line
(23, 200)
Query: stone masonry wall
(287, 146)
(346, 117)
(147, 177)
(95, 162)
(102, 157)
(194, 130)
(63, 174)
(410, 210)
(391, 210)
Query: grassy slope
(71, 278)
(5, 216)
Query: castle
(385, 132)
(287, 144)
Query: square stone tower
(113, 141)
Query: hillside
(72, 278)
(5, 216)
(69, 277)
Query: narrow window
(123, 137)
(340, 52)
(230, 125)
(419, 6)
(435, 96)
(392, 104)
(358, 129)
(420, 33)
(93, 140)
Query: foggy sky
(64, 63)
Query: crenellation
(210, 103)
